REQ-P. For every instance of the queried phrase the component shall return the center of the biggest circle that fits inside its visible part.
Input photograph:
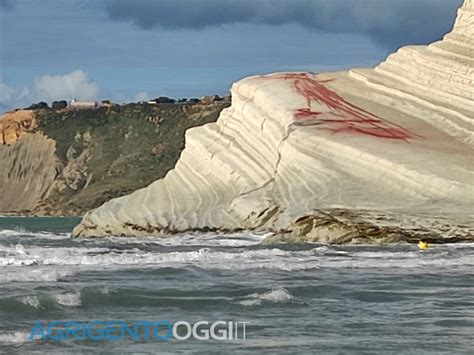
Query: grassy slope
(126, 150)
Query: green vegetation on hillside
(112, 151)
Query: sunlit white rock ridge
(307, 155)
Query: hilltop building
(82, 104)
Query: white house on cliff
(82, 104)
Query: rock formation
(299, 153)
(27, 172)
(14, 125)
(27, 162)
(66, 162)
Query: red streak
(344, 116)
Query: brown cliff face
(27, 162)
(64, 162)
(14, 125)
(27, 171)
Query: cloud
(75, 84)
(141, 96)
(6, 94)
(390, 23)
(6, 4)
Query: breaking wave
(45, 301)
(280, 295)
(42, 274)
(14, 337)
(68, 299)
(31, 301)
(37, 262)
(21, 232)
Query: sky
(134, 50)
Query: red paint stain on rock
(344, 116)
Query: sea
(301, 299)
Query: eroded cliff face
(27, 162)
(64, 162)
(27, 172)
(14, 125)
(390, 147)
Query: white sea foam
(14, 337)
(377, 254)
(20, 249)
(280, 295)
(34, 255)
(204, 240)
(41, 274)
(12, 232)
(106, 290)
(106, 256)
(20, 232)
(251, 302)
(325, 250)
(32, 301)
(68, 299)
(101, 254)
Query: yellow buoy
(422, 245)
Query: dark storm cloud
(389, 23)
(6, 4)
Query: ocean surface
(307, 299)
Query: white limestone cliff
(309, 153)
